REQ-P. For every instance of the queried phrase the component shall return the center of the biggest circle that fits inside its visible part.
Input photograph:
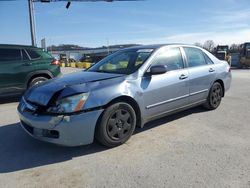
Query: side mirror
(158, 69)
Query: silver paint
(155, 95)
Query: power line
(32, 17)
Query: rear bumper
(227, 81)
(72, 130)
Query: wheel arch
(35, 74)
(130, 101)
(222, 84)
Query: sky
(94, 24)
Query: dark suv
(24, 66)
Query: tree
(198, 44)
(63, 47)
(234, 48)
(209, 45)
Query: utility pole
(32, 16)
(32, 23)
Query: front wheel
(214, 97)
(37, 80)
(116, 125)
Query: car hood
(69, 84)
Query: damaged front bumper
(74, 130)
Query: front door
(169, 91)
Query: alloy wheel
(216, 96)
(119, 124)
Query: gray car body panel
(74, 130)
(66, 85)
(155, 95)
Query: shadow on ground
(170, 118)
(18, 151)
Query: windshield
(122, 62)
(222, 48)
(221, 55)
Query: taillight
(55, 62)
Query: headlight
(70, 104)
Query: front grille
(51, 134)
(42, 132)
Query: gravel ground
(194, 148)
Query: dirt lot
(195, 148)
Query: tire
(116, 125)
(36, 81)
(214, 97)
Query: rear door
(36, 59)
(10, 62)
(42, 61)
(16, 65)
(201, 74)
(169, 91)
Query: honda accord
(123, 91)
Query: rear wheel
(37, 80)
(116, 125)
(214, 97)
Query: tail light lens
(55, 62)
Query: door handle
(211, 70)
(183, 76)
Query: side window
(10, 54)
(25, 56)
(208, 60)
(171, 58)
(142, 57)
(33, 54)
(195, 57)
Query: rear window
(10, 55)
(46, 54)
(25, 56)
(33, 54)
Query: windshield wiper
(102, 71)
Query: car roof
(157, 46)
(17, 46)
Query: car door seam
(175, 99)
(198, 92)
(179, 108)
(167, 101)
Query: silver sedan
(124, 90)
